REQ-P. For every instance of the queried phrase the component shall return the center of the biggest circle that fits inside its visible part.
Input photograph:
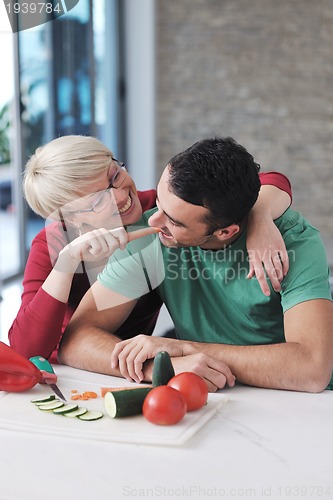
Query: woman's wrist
(58, 285)
(66, 263)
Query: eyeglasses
(119, 176)
(104, 197)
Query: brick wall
(260, 71)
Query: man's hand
(215, 373)
(130, 355)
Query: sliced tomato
(192, 387)
(164, 405)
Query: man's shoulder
(293, 222)
(148, 213)
(308, 274)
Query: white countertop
(261, 443)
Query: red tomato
(192, 387)
(164, 405)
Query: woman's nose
(120, 195)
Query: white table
(260, 444)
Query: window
(67, 76)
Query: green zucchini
(125, 403)
(162, 369)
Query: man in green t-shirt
(283, 340)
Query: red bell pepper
(17, 373)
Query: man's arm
(88, 340)
(303, 363)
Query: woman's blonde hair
(59, 172)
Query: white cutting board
(17, 413)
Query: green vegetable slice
(91, 415)
(48, 402)
(46, 399)
(65, 409)
(76, 413)
(51, 406)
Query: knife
(49, 377)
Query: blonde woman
(76, 182)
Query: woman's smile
(125, 207)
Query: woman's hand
(265, 245)
(267, 252)
(96, 245)
(92, 246)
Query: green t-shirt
(207, 293)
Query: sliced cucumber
(51, 406)
(72, 410)
(91, 415)
(47, 402)
(76, 413)
(65, 409)
(46, 399)
(125, 403)
(163, 369)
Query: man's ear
(227, 232)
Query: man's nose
(157, 219)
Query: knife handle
(44, 366)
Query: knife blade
(49, 376)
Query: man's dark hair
(218, 174)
